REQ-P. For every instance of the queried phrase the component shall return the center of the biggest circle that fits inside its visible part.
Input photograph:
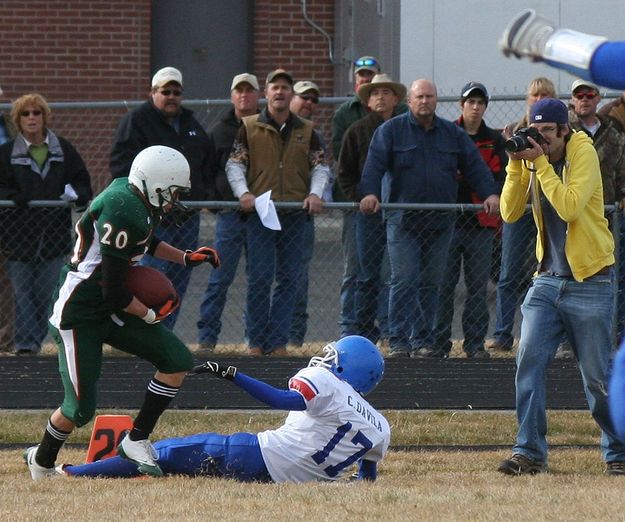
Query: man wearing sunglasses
(304, 103)
(162, 120)
(609, 142)
(607, 139)
(365, 68)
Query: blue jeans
(583, 311)
(184, 237)
(347, 320)
(33, 286)
(229, 243)
(620, 301)
(416, 255)
(272, 256)
(299, 324)
(518, 261)
(371, 300)
(471, 248)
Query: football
(150, 286)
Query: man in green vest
(277, 151)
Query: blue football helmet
(353, 359)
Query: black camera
(518, 141)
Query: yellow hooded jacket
(577, 198)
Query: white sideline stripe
(69, 347)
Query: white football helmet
(158, 172)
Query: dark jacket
(222, 137)
(490, 143)
(423, 165)
(345, 116)
(146, 126)
(29, 233)
(353, 154)
(615, 109)
(609, 142)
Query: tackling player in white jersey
(329, 428)
(588, 56)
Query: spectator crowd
(400, 267)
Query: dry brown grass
(411, 486)
(417, 485)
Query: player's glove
(218, 371)
(526, 35)
(155, 316)
(202, 255)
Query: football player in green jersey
(93, 306)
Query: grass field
(425, 484)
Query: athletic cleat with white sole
(37, 472)
(142, 454)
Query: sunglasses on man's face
(367, 62)
(26, 114)
(587, 95)
(170, 92)
(310, 98)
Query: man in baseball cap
(306, 97)
(166, 75)
(572, 291)
(367, 63)
(472, 245)
(230, 228)
(365, 68)
(163, 120)
(474, 89)
(242, 78)
(275, 75)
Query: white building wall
(455, 41)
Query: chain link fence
(91, 126)
(322, 312)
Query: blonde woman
(37, 165)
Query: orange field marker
(108, 431)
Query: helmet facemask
(161, 174)
(327, 361)
(170, 196)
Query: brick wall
(282, 38)
(77, 50)
(83, 50)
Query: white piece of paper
(69, 194)
(266, 211)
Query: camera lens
(516, 144)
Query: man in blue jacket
(416, 158)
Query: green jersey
(119, 223)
